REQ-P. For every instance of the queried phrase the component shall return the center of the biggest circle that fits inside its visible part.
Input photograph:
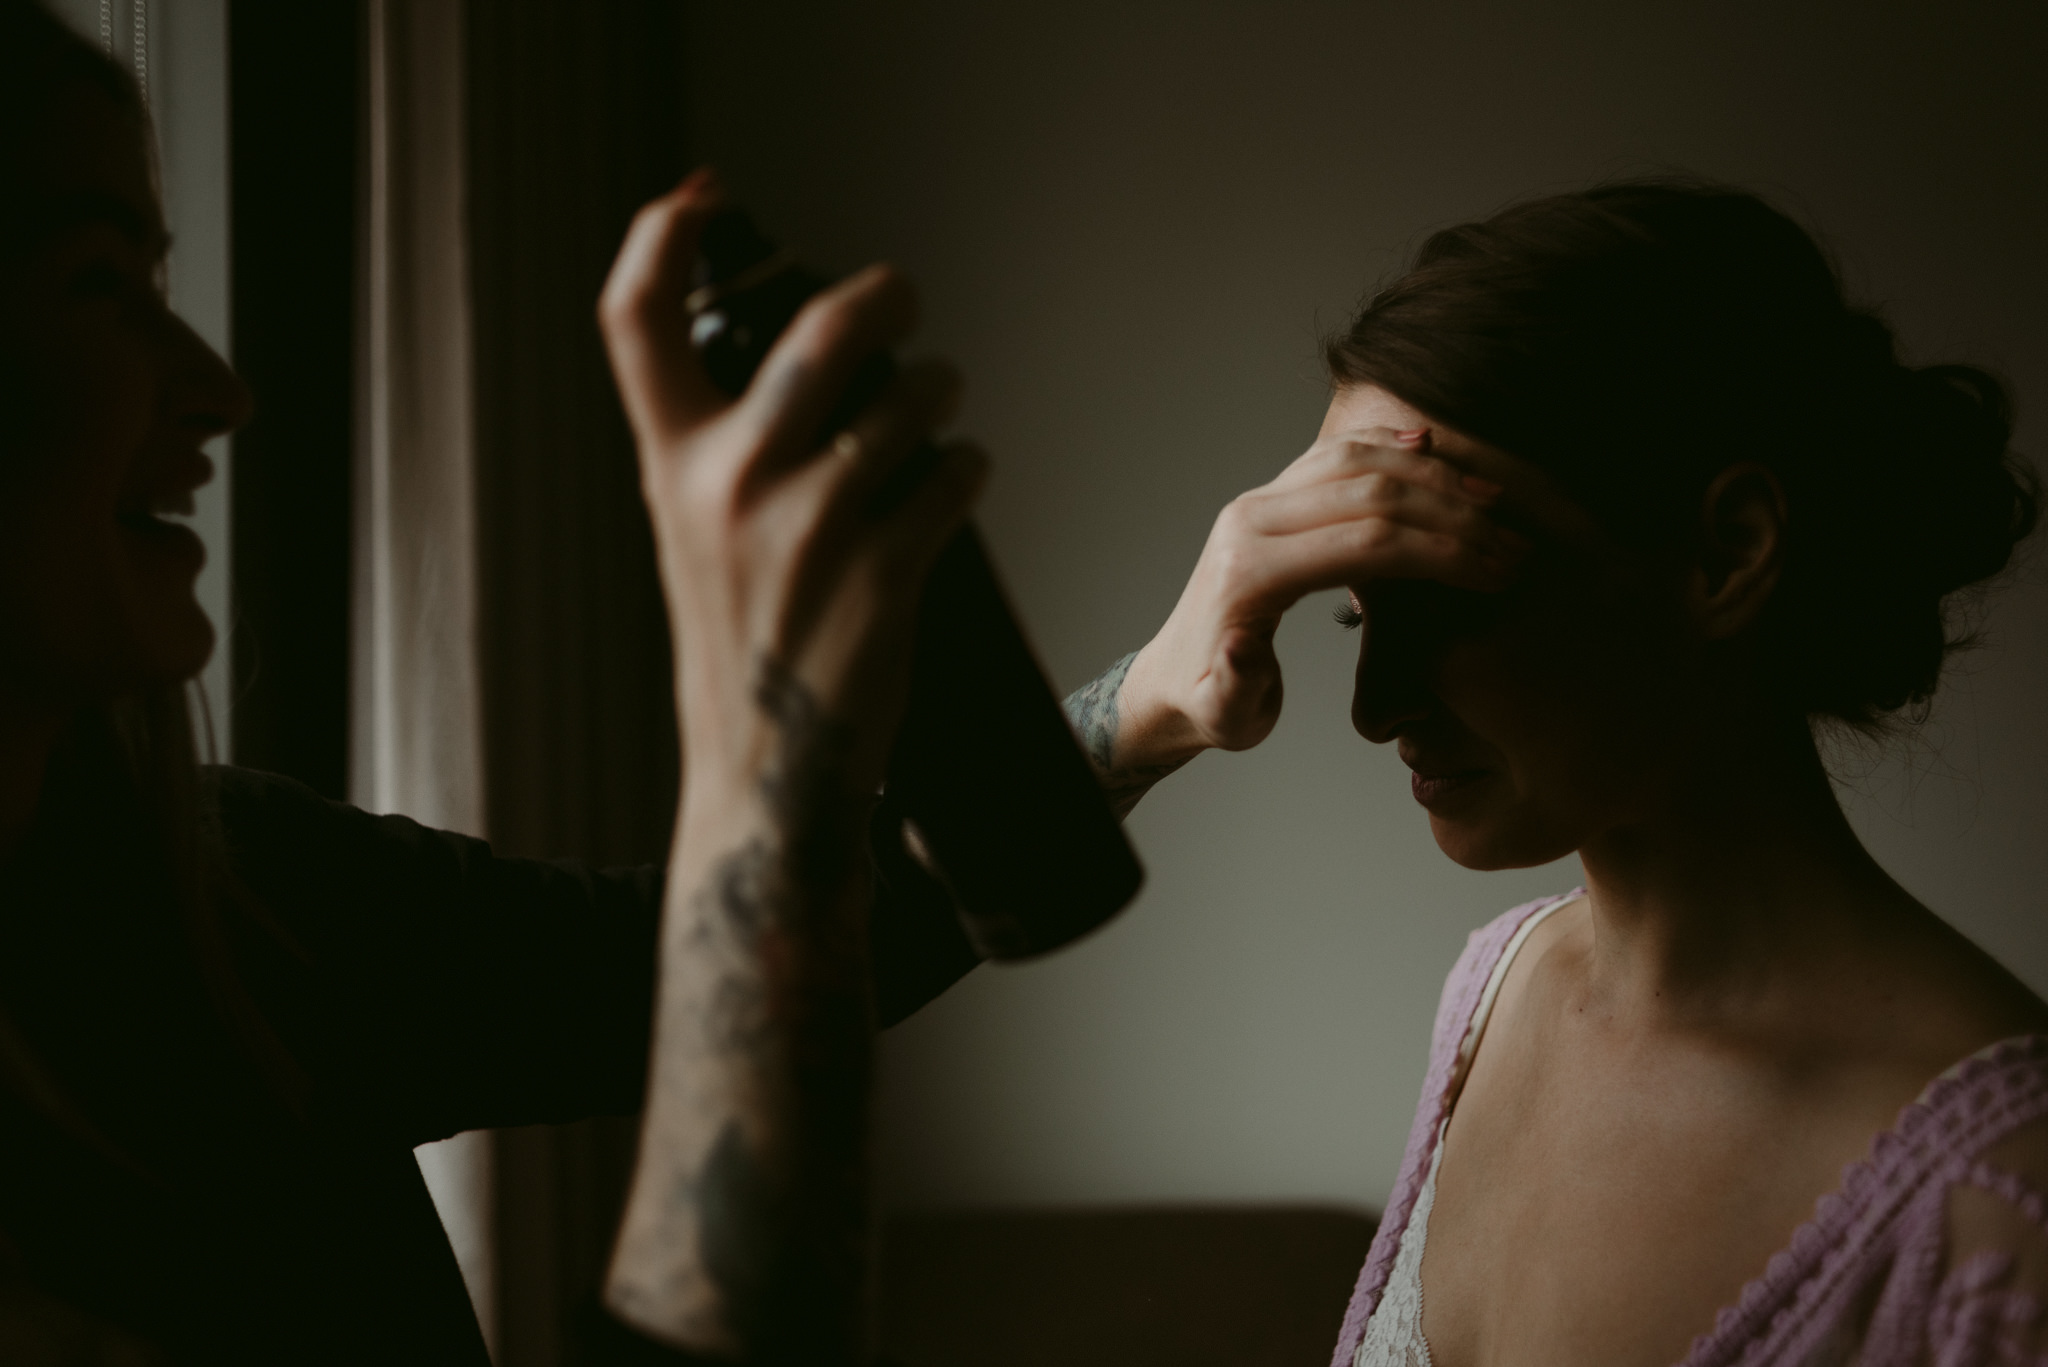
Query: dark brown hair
(135, 754)
(1638, 338)
(39, 56)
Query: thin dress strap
(1455, 1010)
(1468, 1048)
(1393, 1335)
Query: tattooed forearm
(803, 785)
(747, 1230)
(1092, 711)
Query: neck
(1735, 886)
(28, 737)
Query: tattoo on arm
(759, 1242)
(1092, 710)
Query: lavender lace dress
(1933, 1251)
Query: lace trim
(1462, 991)
(1393, 1336)
(1475, 1011)
(1962, 1113)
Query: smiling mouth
(149, 523)
(159, 529)
(160, 513)
(1432, 789)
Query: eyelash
(1348, 617)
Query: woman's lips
(163, 537)
(1434, 789)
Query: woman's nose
(1392, 686)
(205, 394)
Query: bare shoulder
(1562, 938)
(1954, 997)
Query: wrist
(728, 803)
(1153, 731)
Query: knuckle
(656, 217)
(624, 302)
(823, 325)
(1236, 516)
(838, 317)
(1232, 563)
(707, 501)
(891, 286)
(710, 480)
(635, 271)
(1377, 488)
(1374, 534)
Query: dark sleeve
(460, 990)
(607, 1342)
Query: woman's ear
(1741, 549)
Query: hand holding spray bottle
(1005, 805)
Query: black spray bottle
(985, 767)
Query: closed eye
(1349, 615)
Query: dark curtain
(576, 118)
(293, 74)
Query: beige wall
(1130, 223)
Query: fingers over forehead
(1530, 495)
(1515, 490)
(1345, 455)
(1341, 555)
(1372, 493)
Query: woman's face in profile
(110, 398)
(1537, 718)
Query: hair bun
(1924, 499)
(1968, 500)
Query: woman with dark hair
(1628, 502)
(229, 1009)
